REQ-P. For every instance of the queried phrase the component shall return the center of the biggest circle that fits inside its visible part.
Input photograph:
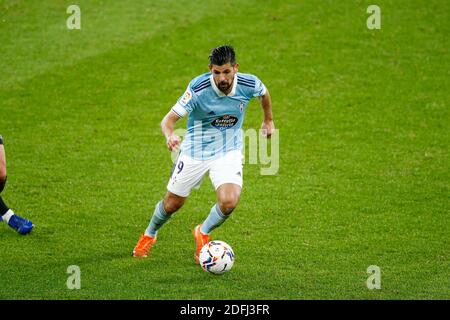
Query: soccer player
(215, 103)
(19, 224)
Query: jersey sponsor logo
(224, 122)
(186, 98)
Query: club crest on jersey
(186, 98)
(224, 122)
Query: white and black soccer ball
(216, 257)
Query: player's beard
(224, 86)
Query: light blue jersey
(215, 119)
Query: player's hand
(267, 129)
(173, 141)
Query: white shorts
(188, 173)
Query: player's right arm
(185, 104)
(167, 127)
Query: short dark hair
(222, 55)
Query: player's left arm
(267, 126)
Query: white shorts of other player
(188, 173)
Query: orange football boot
(143, 246)
(200, 240)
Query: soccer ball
(216, 257)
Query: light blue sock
(214, 219)
(158, 219)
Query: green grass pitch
(363, 117)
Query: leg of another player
(163, 211)
(2, 165)
(21, 225)
(228, 196)
(3, 208)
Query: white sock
(158, 219)
(214, 219)
(8, 215)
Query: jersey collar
(220, 93)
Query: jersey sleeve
(260, 88)
(186, 103)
